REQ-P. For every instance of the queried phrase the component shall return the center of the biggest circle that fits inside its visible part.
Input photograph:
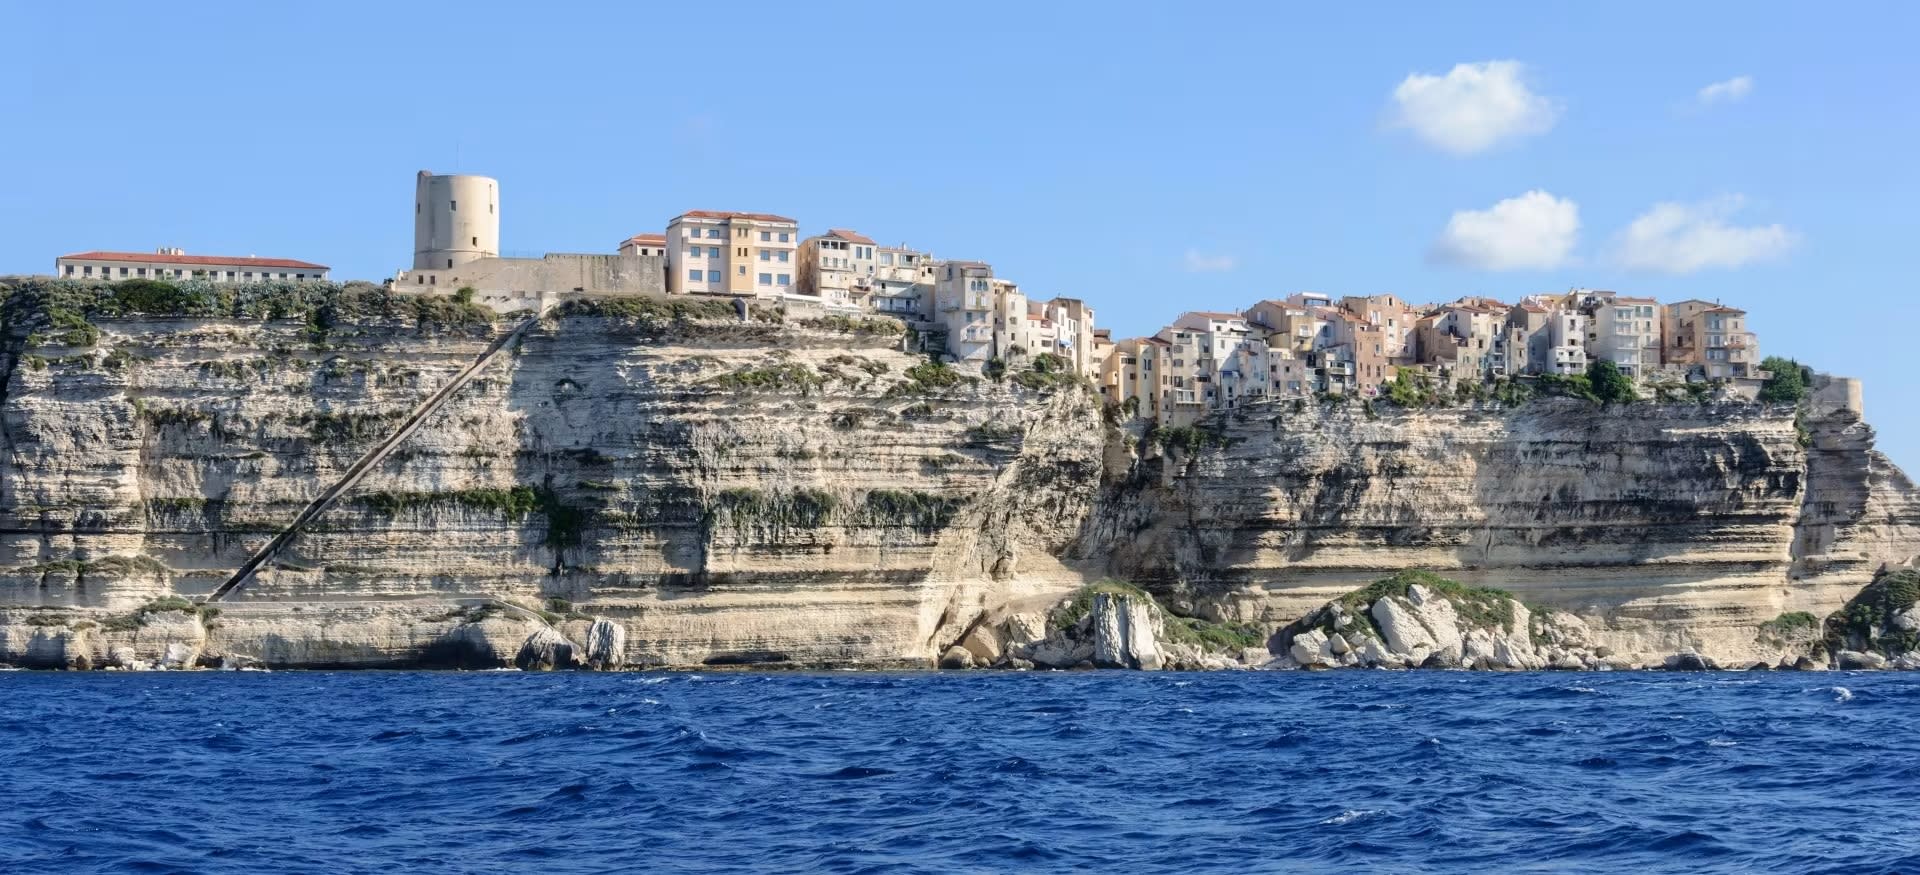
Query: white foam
(1842, 694)
(1348, 816)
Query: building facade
(725, 253)
(645, 245)
(837, 268)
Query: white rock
(1307, 647)
(1125, 633)
(606, 645)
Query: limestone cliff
(1667, 527)
(767, 491)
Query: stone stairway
(372, 459)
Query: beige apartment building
(174, 264)
(837, 268)
(1710, 337)
(725, 253)
(902, 283)
(964, 305)
(1623, 330)
(1394, 318)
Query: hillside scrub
(1869, 621)
(1788, 382)
(65, 311)
(1481, 606)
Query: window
(139, 271)
(713, 252)
(84, 271)
(766, 255)
(886, 258)
(714, 234)
(766, 279)
(740, 233)
(785, 278)
(694, 274)
(693, 252)
(783, 237)
(743, 270)
(713, 276)
(765, 236)
(476, 241)
(453, 206)
(784, 257)
(743, 252)
(449, 264)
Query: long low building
(175, 264)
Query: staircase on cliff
(373, 457)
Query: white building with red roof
(174, 264)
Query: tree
(1788, 383)
(1609, 383)
(464, 294)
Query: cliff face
(730, 492)
(742, 492)
(1670, 527)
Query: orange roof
(726, 214)
(648, 238)
(159, 258)
(849, 236)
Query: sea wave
(1405, 772)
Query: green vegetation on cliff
(64, 312)
(1205, 634)
(1481, 606)
(1788, 381)
(1867, 621)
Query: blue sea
(982, 772)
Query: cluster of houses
(1313, 344)
(1306, 344)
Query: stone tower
(456, 219)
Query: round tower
(456, 219)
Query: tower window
(453, 206)
(449, 262)
(476, 241)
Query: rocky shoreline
(1408, 621)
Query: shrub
(1481, 606)
(1867, 620)
(1787, 382)
(1609, 384)
(926, 378)
(1790, 625)
(920, 510)
(787, 376)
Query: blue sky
(1149, 158)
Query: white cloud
(1199, 262)
(1472, 108)
(1683, 238)
(1728, 91)
(1535, 231)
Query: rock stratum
(660, 484)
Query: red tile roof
(849, 236)
(726, 214)
(648, 238)
(222, 260)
